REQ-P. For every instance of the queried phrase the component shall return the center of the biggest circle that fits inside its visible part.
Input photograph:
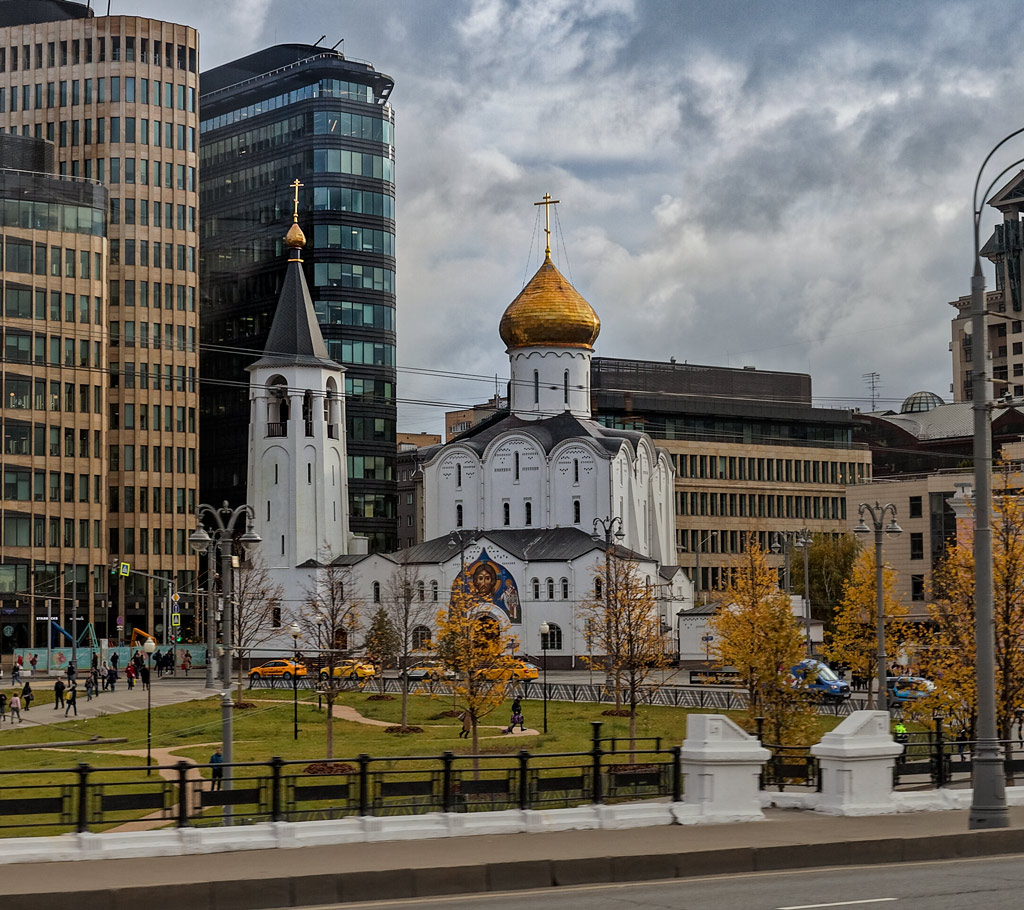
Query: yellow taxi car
(350, 669)
(515, 669)
(280, 669)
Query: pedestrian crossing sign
(176, 619)
(126, 569)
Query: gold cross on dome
(547, 203)
(295, 186)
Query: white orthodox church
(522, 503)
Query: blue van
(824, 680)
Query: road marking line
(873, 900)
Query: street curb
(477, 878)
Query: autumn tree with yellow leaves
(624, 628)
(853, 638)
(946, 648)
(479, 649)
(757, 634)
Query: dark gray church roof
(548, 432)
(540, 545)
(295, 337)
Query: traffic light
(114, 567)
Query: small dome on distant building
(920, 402)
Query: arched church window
(565, 589)
(529, 513)
(307, 411)
(421, 591)
(433, 591)
(536, 387)
(575, 470)
(420, 638)
(535, 584)
(458, 475)
(551, 589)
(565, 387)
(553, 640)
(576, 511)
(458, 516)
(506, 514)
(376, 592)
(515, 466)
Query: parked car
(277, 669)
(429, 669)
(822, 679)
(515, 669)
(349, 669)
(903, 689)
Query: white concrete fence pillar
(721, 766)
(856, 761)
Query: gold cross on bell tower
(295, 186)
(547, 202)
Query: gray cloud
(777, 183)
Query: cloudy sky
(780, 184)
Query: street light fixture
(220, 543)
(698, 582)
(544, 630)
(878, 514)
(296, 635)
(803, 542)
(149, 646)
(611, 527)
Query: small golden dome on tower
(549, 312)
(295, 238)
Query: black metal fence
(96, 799)
(667, 695)
(931, 760)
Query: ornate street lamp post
(296, 635)
(611, 527)
(221, 540)
(544, 630)
(878, 513)
(149, 646)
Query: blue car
(824, 681)
(903, 689)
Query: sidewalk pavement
(167, 690)
(310, 876)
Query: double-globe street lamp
(988, 801)
(611, 532)
(802, 540)
(878, 514)
(220, 543)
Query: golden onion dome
(549, 312)
(295, 238)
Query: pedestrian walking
(16, 673)
(114, 660)
(111, 678)
(72, 700)
(15, 708)
(58, 694)
(186, 663)
(71, 672)
(3, 707)
(105, 675)
(216, 770)
(129, 676)
(158, 662)
(467, 725)
(27, 695)
(144, 677)
(89, 685)
(32, 663)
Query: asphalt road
(988, 884)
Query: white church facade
(513, 503)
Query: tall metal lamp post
(878, 514)
(149, 646)
(210, 549)
(544, 630)
(803, 542)
(988, 802)
(296, 635)
(221, 540)
(611, 527)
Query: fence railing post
(183, 767)
(82, 823)
(940, 758)
(276, 763)
(446, 780)
(598, 787)
(524, 779)
(677, 774)
(364, 784)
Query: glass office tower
(299, 112)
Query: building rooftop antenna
(874, 383)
